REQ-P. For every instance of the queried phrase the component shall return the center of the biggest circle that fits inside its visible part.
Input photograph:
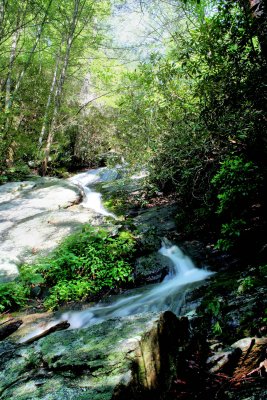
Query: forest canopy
(188, 102)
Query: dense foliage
(199, 112)
(85, 264)
(193, 112)
(45, 47)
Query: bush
(13, 295)
(17, 173)
(85, 263)
(237, 180)
(238, 183)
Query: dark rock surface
(153, 224)
(151, 268)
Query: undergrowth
(83, 265)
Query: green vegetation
(13, 295)
(233, 305)
(197, 116)
(192, 110)
(83, 265)
(45, 46)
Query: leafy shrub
(13, 295)
(85, 263)
(212, 308)
(65, 291)
(246, 284)
(237, 183)
(17, 173)
(229, 233)
(263, 271)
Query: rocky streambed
(35, 216)
(148, 355)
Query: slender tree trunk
(48, 103)
(2, 15)
(9, 75)
(58, 93)
(11, 94)
(32, 52)
(9, 155)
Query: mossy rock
(133, 357)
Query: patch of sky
(136, 28)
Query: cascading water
(167, 295)
(91, 198)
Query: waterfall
(166, 295)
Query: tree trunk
(48, 103)
(31, 54)
(60, 85)
(14, 44)
(10, 95)
(2, 16)
(58, 327)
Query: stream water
(167, 295)
(91, 198)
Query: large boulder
(131, 358)
(35, 216)
(153, 224)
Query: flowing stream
(91, 198)
(168, 294)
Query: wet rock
(152, 268)
(196, 250)
(203, 254)
(134, 358)
(9, 327)
(153, 224)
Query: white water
(91, 198)
(167, 295)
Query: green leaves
(86, 263)
(237, 183)
(13, 295)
